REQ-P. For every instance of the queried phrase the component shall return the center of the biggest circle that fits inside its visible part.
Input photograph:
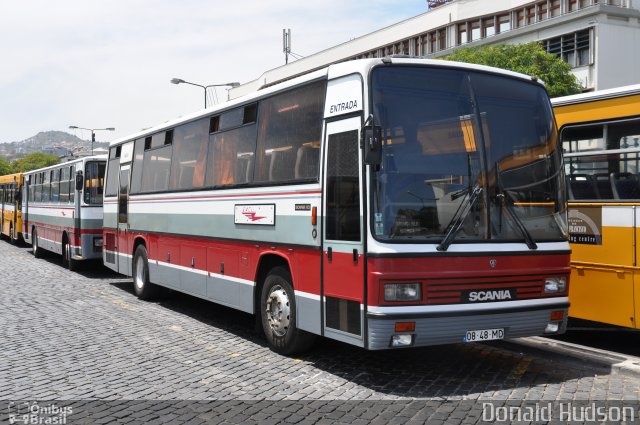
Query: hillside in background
(59, 143)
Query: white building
(600, 39)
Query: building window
(573, 48)
(555, 8)
(462, 33)
(504, 23)
(475, 31)
(488, 27)
(542, 11)
(531, 15)
(520, 18)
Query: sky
(99, 64)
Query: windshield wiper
(461, 214)
(531, 244)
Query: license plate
(484, 335)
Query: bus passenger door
(124, 259)
(343, 246)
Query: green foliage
(5, 167)
(529, 59)
(33, 161)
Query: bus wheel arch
(276, 307)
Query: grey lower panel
(451, 330)
(216, 289)
(308, 314)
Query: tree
(5, 166)
(530, 59)
(33, 161)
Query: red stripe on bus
(114, 201)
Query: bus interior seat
(625, 186)
(603, 186)
(244, 168)
(281, 168)
(581, 186)
(307, 160)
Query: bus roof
(361, 66)
(62, 164)
(9, 178)
(597, 95)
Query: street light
(92, 130)
(181, 81)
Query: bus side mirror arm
(79, 180)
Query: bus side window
(189, 155)
(157, 163)
(290, 124)
(55, 185)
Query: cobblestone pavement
(84, 336)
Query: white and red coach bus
(62, 209)
(384, 203)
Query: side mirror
(372, 142)
(79, 181)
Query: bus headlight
(402, 292)
(555, 284)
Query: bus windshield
(467, 157)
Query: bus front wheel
(144, 289)
(67, 258)
(278, 312)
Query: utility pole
(286, 44)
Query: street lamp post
(181, 81)
(92, 130)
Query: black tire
(67, 259)
(35, 247)
(278, 313)
(144, 289)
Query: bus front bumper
(386, 330)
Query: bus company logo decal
(261, 214)
(488, 295)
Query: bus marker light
(314, 216)
(405, 326)
(404, 340)
(557, 315)
(552, 328)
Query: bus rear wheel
(67, 258)
(278, 313)
(35, 247)
(144, 289)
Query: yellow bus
(11, 206)
(600, 135)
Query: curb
(620, 364)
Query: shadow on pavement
(456, 370)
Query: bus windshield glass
(467, 156)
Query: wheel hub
(278, 310)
